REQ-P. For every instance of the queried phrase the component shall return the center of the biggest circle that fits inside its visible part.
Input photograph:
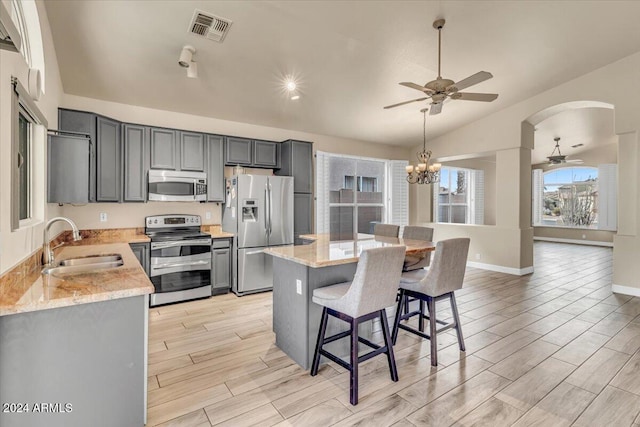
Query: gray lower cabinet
(215, 168)
(89, 360)
(221, 266)
(135, 162)
(239, 151)
(82, 122)
(164, 149)
(143, 253)
(191, 151)
(108, 174)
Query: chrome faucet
(47, 253)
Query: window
(28, 126)
(24, 14)
(459, 197)
(576, 197)
(24, 164)
(355, 193)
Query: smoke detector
(209, 26)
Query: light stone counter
(35, 291)
(323, 252)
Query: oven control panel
(168, 221)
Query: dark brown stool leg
(421, 318)
(353, 379)
(387, 342)
(432, 330)
(319, 342)
(456, 318)
(402, 301)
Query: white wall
(17, 245)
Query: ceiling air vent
(209, 26)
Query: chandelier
(423, 173)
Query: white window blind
(398, 191)
(476, 184)
(322, 192)
(537, 196)
(607, 197)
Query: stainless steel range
(180, 266)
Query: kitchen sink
(85, 264)
(91, 259)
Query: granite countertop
(323, 252)
(36, 291)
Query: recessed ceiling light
(577, 145)
(291, 85)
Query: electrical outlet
(477, 256)
(299, 286)
(584, 236)
(207, 215)
(103, 217)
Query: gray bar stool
(444, 276)
(386, 230)
(374, 287)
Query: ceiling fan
(558, 159)
(440, 89)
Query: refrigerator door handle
(266, 209)
(270, 209)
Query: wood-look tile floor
(553, 348)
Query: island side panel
(89, 355)
(296, 319)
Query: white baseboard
(574, 241)
(625, 290)
(501, 269)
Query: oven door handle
(163, 245)
(180, 264)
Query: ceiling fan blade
(405, 102)
(416, 87)
(478, 77)
(436, 108)
(468, 96)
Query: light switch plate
(103, 217)
(299, 286)
(207, 215)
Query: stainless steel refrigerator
(259, 212)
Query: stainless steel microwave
(174, 186)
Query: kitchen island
(73, 346)
(298, 270)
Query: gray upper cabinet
(215, 168)
(254, 153)
(265, 154)
(68, 169)
(297, 161)
(82, 122)
(302, 213)
(239, 151)
(164, 149)
(108, 148)
(191, 151)
(136, 162)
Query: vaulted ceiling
(348, 57)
